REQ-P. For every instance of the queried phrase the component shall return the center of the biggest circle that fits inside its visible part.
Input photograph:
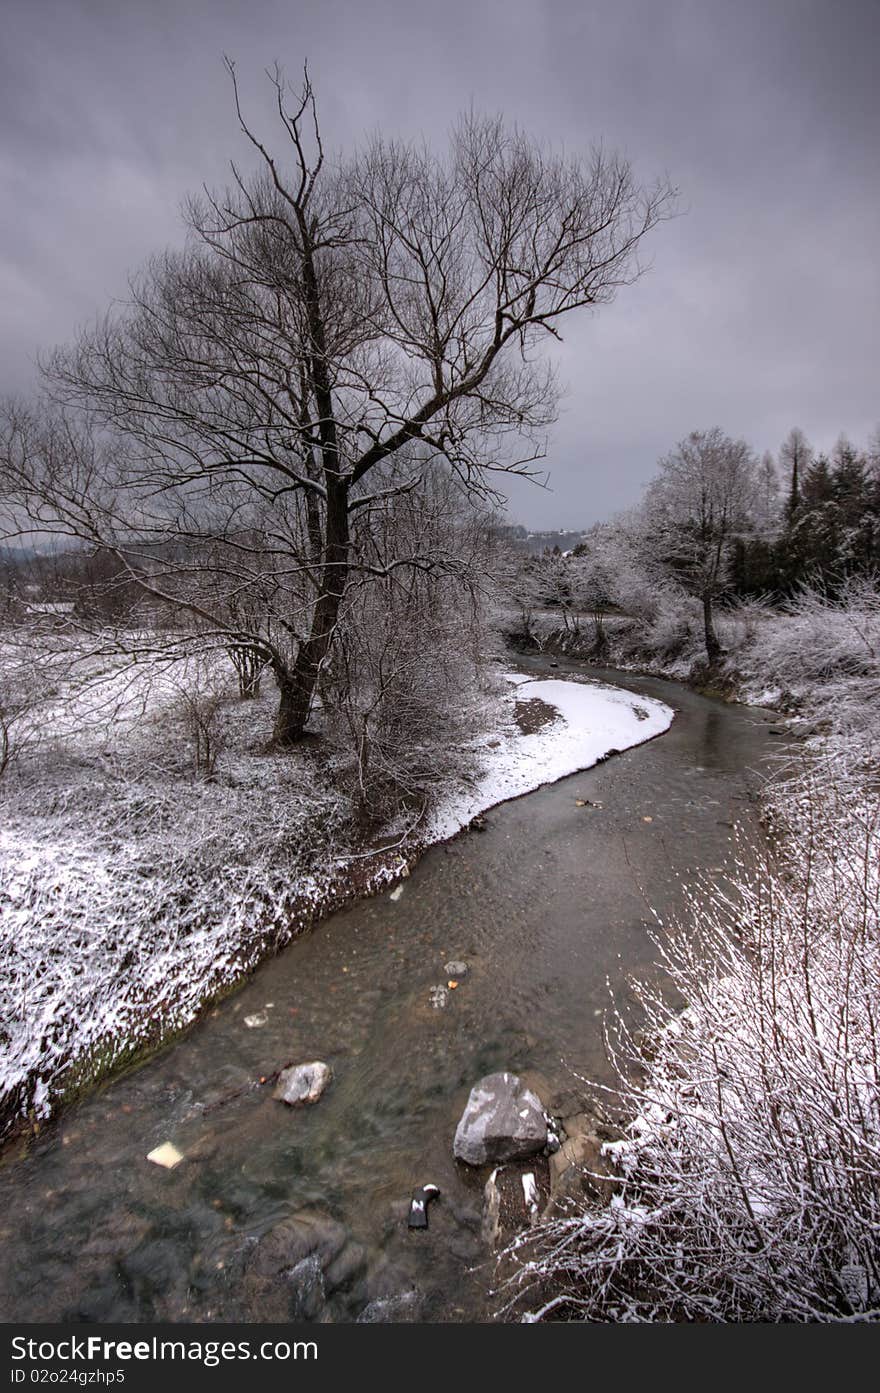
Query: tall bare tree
(701, 498)
(324, 319)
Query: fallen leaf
(647, 819)
(452, 985)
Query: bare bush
(249, 665)
(27, 671)
(200, 719)
(16, 701)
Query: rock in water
(456, 969)
(303, 1083)
(406, 1306)
(291, 1271)
(503, 1121)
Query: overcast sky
(760, 310)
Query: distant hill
(534, 543)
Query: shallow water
(548, 906)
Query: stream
(547, 906)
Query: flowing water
(548, 906)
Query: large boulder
(308, 1233)
(503, 1121)
(303, 1083)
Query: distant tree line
(717, 525)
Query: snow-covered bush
(198, 717)
(739, 625)
(822, 657)
(816, 638)
(673, 633)
(25, 677)
(750, 1176)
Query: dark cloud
(761, 307)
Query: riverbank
(814, 659)
(753, 1148)
(133, 899)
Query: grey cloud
(760, 309)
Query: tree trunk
(297, 686)
(294, 705)
(713, 647)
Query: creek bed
(547, 906)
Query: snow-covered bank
(591, 721)
(748, 1181)
(131, 894)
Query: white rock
(303, 1083)
(166, 1155)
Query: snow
(131, 894)
(592, 719)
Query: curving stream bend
(546, 906)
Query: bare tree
(693, 510)
(796, 456)
(767, 493)
(324, 319)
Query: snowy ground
(132, 893)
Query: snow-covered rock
(503, 1121)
